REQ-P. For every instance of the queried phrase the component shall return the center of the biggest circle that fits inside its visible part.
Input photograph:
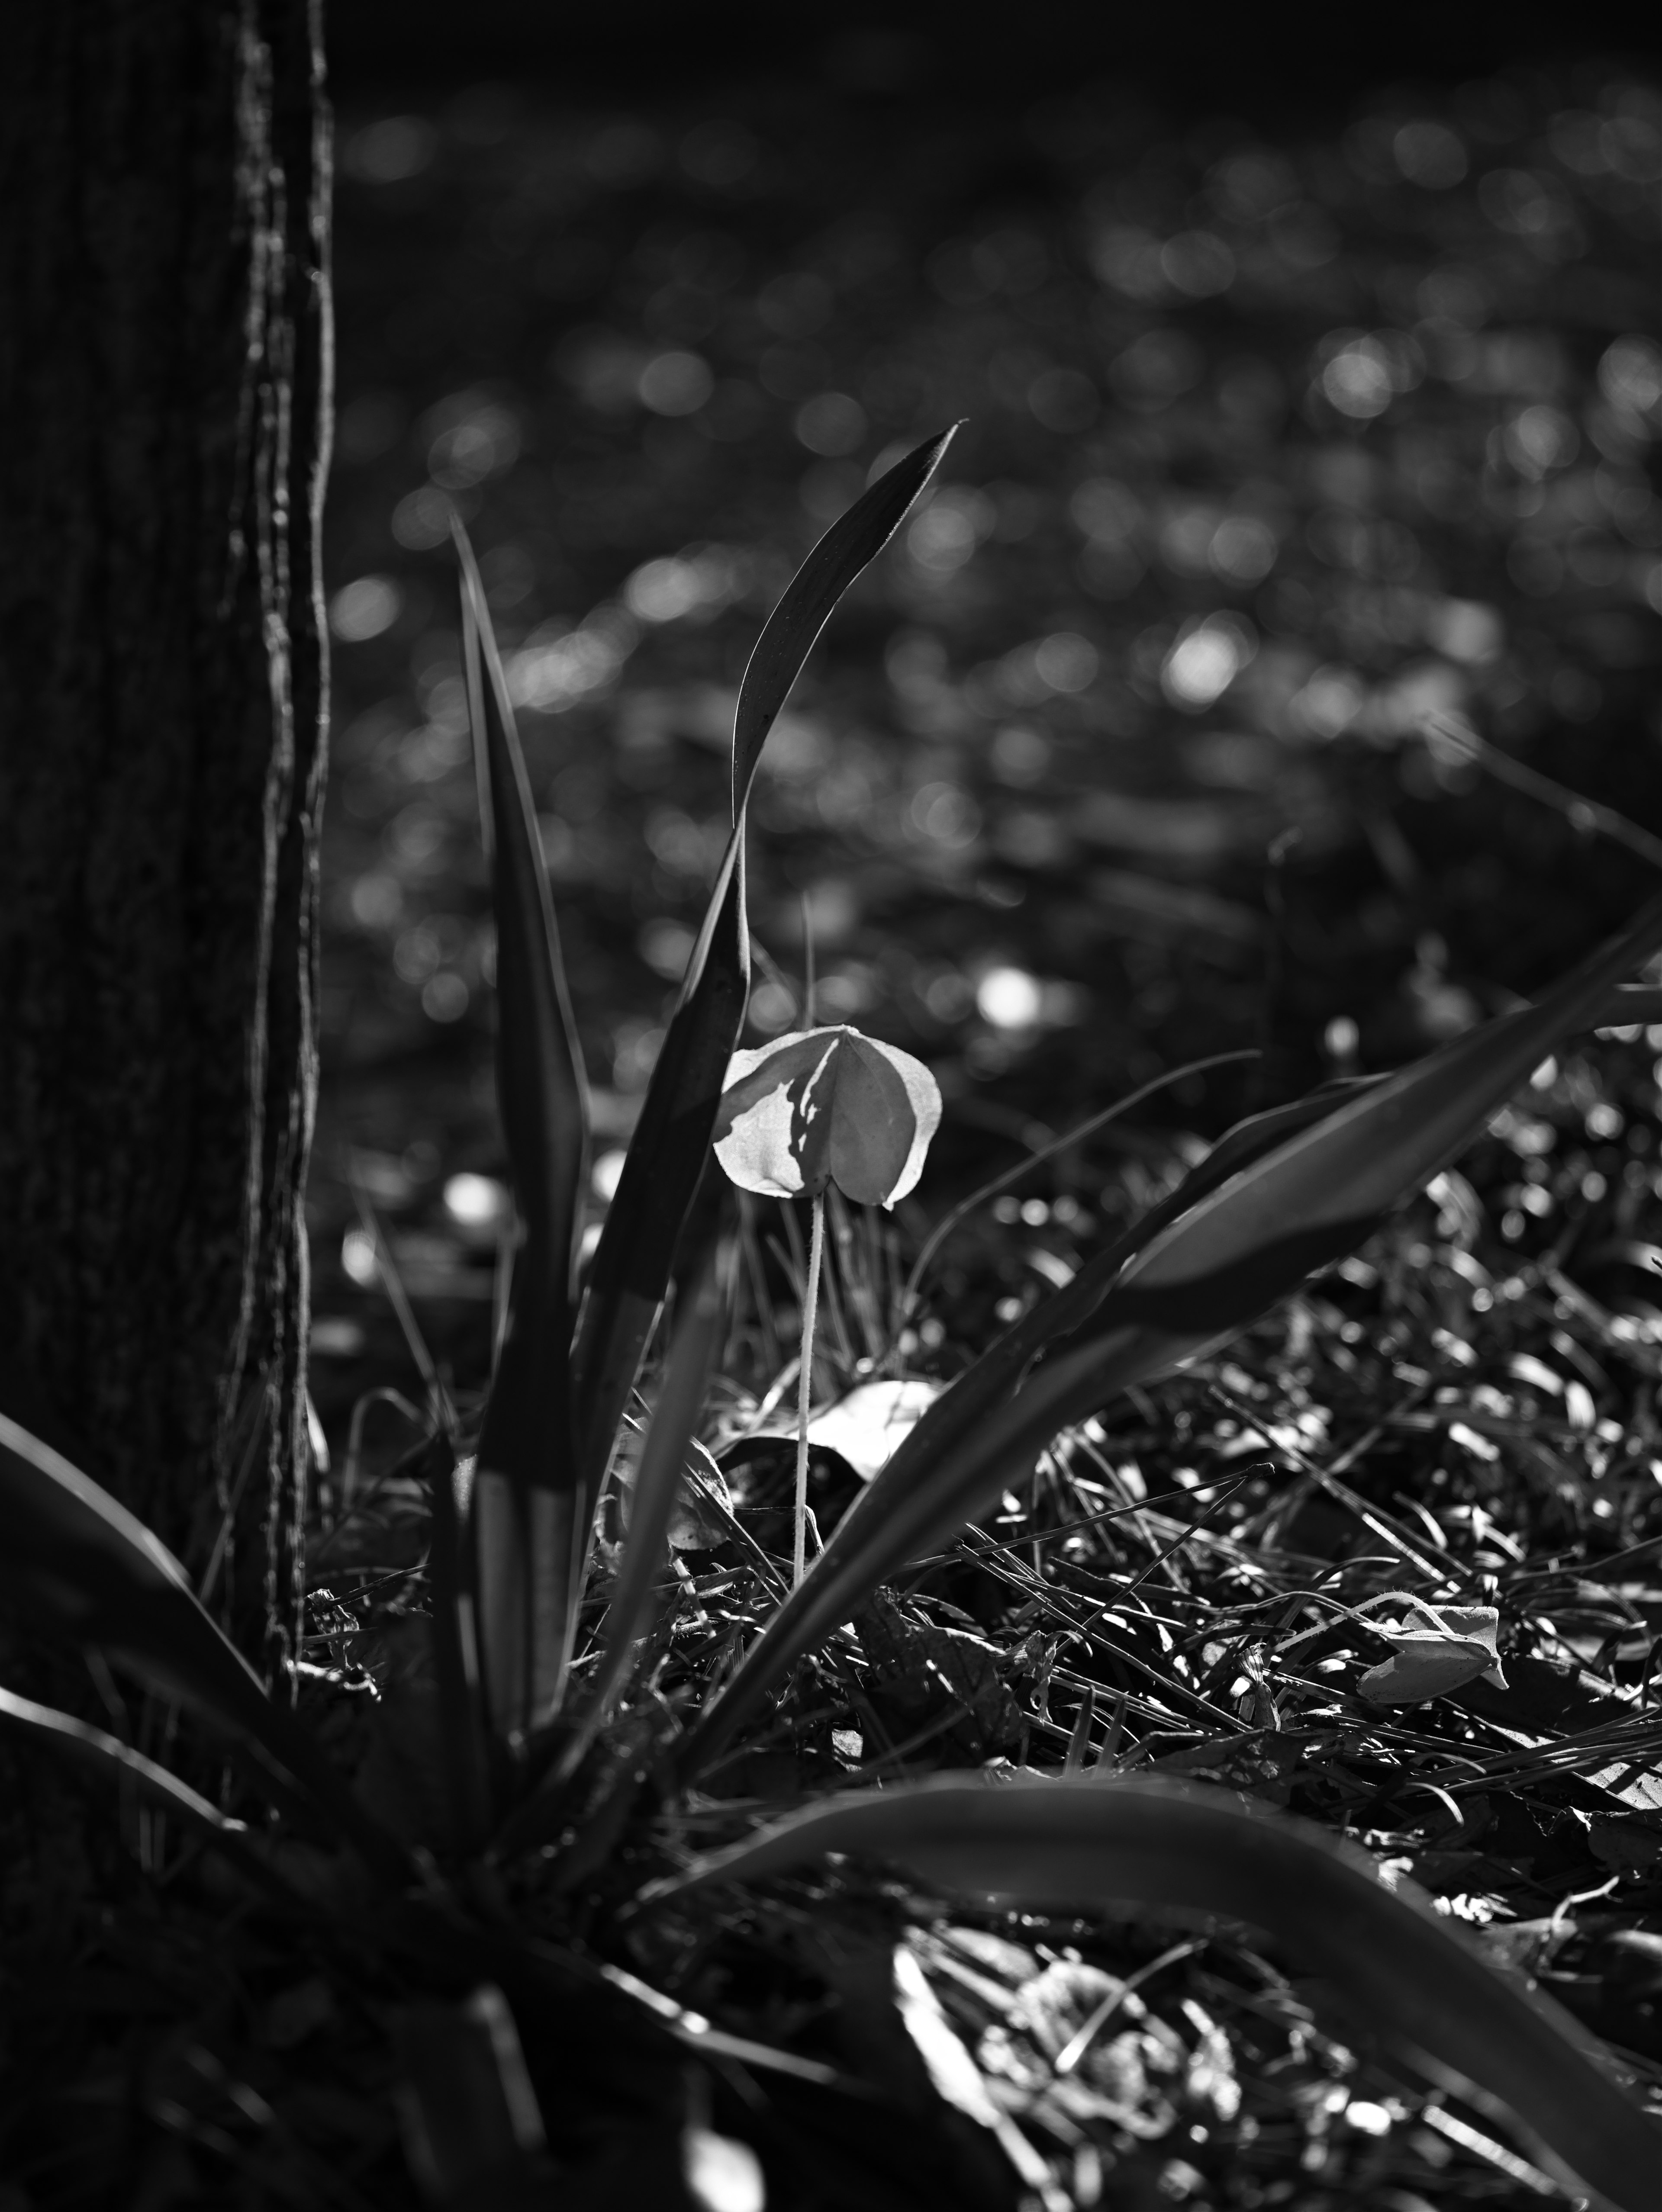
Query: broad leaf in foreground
(1401, 1969)
(1293, 1190)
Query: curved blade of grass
(107, 1756)
(1287, 1192)
(672, 1140)
(1405, 1972)
(526, 1552)
(852, 542)
(658, 1480)
(79, 1564)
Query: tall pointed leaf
(852, 543)
(672, 1140)
(1292, 1190)
(523, 1522)
(75, 1563)
(1073, 1840)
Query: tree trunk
(164, 409)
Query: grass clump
(1150, 1605)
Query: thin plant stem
(805, 1385)
(807, 963)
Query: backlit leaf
(824, 1106)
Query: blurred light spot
(1528, 203)
(376, 901)
(698, 581)
(1009, 998)
(1465, 630)
(1205, 659)
(444, 997)
(1430, 154)
(1544, 1076)
(603, 368)
(357, 1258)
(1108, 512)
(1065, 661)
(421, 520)
(1243, 549)
(772, 1008)
(675, 383)
(557, 668)
(1063, 400)
(635, 1049)
(1127, 260)
(946, 533)
(665, 946)
(795, 304)
(1156, 368)
(386, 152)
(1630, 376)
(1326, 704)
(1361, 376)
(722, 2174)
(1540, 439)
(947, 995)
(1198, 262)
(1372, 2119)
(607, 1173)
(1020, 754)
(1340, 1038)
(718, 153)
(623, 154)
(830, 423)
(945, 815)
(1185, 538)
(845, 993)
(334, 1337)
(360, 610)
(478, 440)
(476, 1200)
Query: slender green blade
(1292, 1190)
(96, 1747)
(523, 1529)
(852, 542)
(1074, 1840)
(77, 1564)
(463, 1734)
(645, 1556)
(672, 1140)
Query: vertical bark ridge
(163, 380)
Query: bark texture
(164, 403)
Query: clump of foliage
(533, 1787)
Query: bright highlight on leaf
(824, 1106)
(1450, 1646)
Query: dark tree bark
(164, 404)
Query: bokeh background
(1287, 415)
